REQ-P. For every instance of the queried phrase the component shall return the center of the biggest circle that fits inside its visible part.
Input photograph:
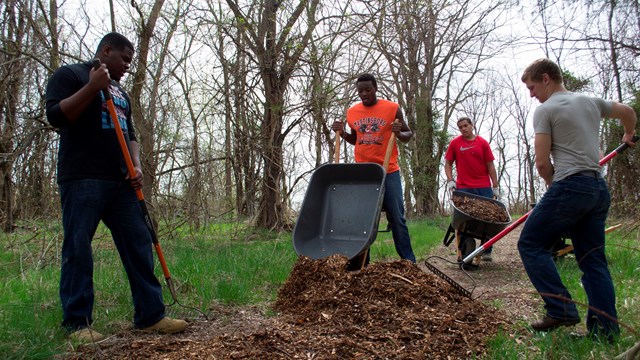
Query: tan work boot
(86, 335)
(167, 326)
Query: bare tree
(434, 50)
(277, 54)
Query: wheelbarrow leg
(458, 252)
(358, 262)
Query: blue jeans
(393, 205)
(484, 192)
(84, 203)
(578, 205)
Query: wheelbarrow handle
(517, 223)
(390, 145)
(336, 149)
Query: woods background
(233, 100)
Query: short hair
(367, 77)
(539, 67)
(116, 41)
(465, 118)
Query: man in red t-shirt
(476, 172)
(372, 121)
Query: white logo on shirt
(465, 148)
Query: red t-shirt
(372, 125)
(471, 158)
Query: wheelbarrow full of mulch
(476, 217)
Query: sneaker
(86, 335)
(487, 257)
(167, 326)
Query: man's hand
(496, 193)
(451, 185)
(396, 127)
(337, 126)
(137, 181)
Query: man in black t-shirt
(94, 185)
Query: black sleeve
(62, 84)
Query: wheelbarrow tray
(340, 211)
(476, 228)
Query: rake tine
(449, 280)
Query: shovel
(143, 205)
(500, 235)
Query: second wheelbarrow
(481, 227)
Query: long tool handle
(390, 145)
(336, 148)
(132, 173)
(524, 217)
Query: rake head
(448, 279)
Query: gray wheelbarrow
(472, 227)
(341, 209)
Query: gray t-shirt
(573, 121)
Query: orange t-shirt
(372, 125)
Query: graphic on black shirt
(121, 105)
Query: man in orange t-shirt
(372, 121)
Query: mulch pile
(481, 209)
(386, 311)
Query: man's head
(116, 51)
(367, 87)
(543, 77)
(465, 125)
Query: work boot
(86, 335)
(487, 257)
(167, 326)
(548, 323)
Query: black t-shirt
(89, 147)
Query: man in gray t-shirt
(577, 200)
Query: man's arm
(628, 118)
(134, 151)
(493, 174)
(542, 148)
(448, 169)
(73, 106)
(403, 132)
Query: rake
(143, 205)
(467, 260)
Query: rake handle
(517, 223)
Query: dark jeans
(393, 205)
(84, 204)
(484, 192)
(577, 205)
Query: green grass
(232, 265)
(623, 253)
